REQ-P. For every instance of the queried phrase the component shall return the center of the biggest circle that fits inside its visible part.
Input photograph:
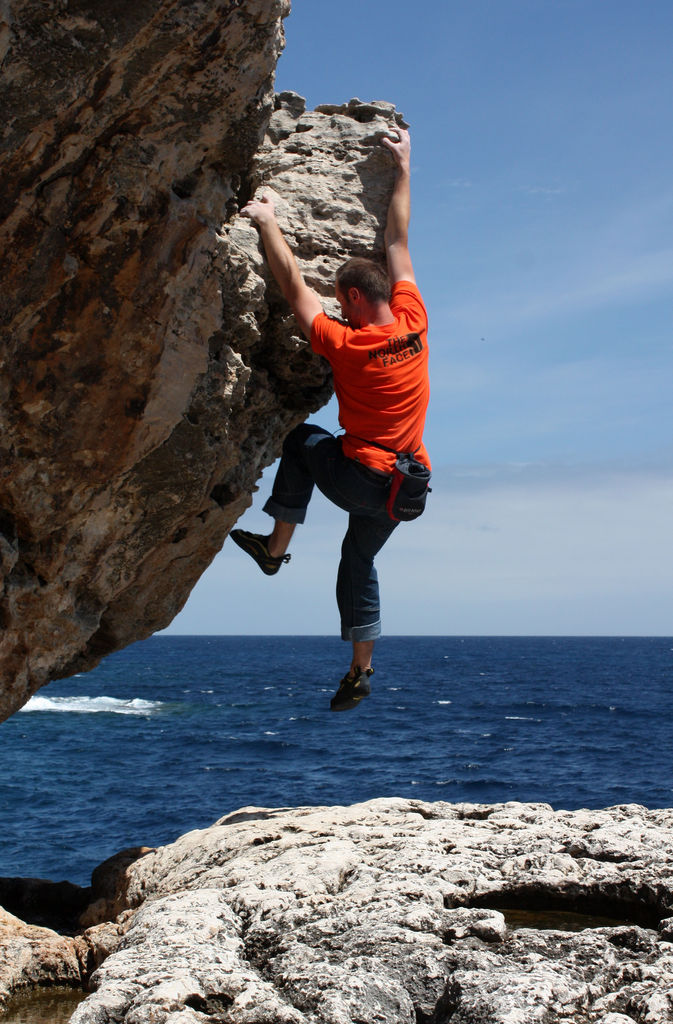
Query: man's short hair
(368, 276)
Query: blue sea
(174, 732)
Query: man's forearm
(399, 209)
(281, 260)
(304, 302)
(400, 267)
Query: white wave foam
(91, 705)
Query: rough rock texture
(391, 911)
(146, 376)
(34, 956)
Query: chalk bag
(409, 488)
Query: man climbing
(379, 360)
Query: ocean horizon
(174, 732)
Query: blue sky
(542, 241)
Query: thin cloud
(543, 190)
(542, 550)
(519, 549)
(602, 280)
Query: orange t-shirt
(380, 379)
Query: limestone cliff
(149, 370)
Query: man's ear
(354, 295)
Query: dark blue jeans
(313, 456)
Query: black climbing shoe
(255, 545)
(352, 688)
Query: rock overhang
(150, 369)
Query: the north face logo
(396, 350)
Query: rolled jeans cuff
(360, 634)
(286, 515)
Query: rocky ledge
(389, 911)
